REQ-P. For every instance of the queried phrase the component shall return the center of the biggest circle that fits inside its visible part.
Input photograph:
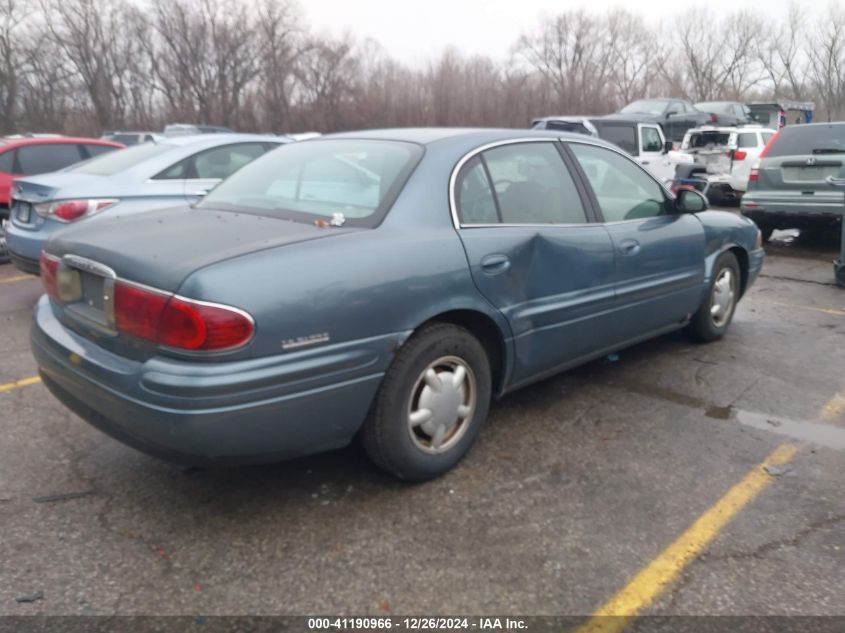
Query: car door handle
(629, 247)
(495, 264)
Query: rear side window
(625, 136)
(98, 150)
(623, 190)
(41, 159)
(746, 139)
(474, 195)
(532, 185)
(7, 160)
(809, 140)
(111, 163)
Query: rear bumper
(24, 264)
(252, 411)
(793, 209)
(24, 244)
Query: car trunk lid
(800, 173)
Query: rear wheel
(431, 405)
(716, 312)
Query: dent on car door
(534, 253)
(659, 254)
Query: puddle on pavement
(826, 435)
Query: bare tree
(782, 56)
(827, 66)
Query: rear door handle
(629, 247)
(495, 264)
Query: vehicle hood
(161, 248)
(37, 189)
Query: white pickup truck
(644, 141)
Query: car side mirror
(691, 201)
(668, 146)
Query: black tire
(766, 230)
(387, 434)
(704, 327)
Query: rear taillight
(769, 144)
(739, 155)
(754, 174)
(178, 322)
(49, 270)
(70, 210)
(714, 118)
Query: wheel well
(487, 332)
(742, 258)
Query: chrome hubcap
(722, 301)
(442, 404)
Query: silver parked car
(144, 177)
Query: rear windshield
(644, 106)
(348, 181)
(113, 162)
(701, 140)
(713, 106)
(809, 140)
(624, 135)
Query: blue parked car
(149, 176)
(381, 284)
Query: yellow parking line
(10, 280)
(833, 311)
(644, 588)
(25, 382)
(834, 407)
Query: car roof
(428, 136)
(211, 140)
(52, 140)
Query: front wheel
(716, 312)
(431, 404)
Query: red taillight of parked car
(178, 322)
(49, 269)
(70, 210)
(740, 155)
(714, 118)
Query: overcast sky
(415, 31)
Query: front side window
(113, 162)
(7, 160)
(532, 185)
(623, 190)
(42, 159)
(651, 140)
(351, 181)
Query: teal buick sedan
(385, 285)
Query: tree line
(85, 66)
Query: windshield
(644, 106)
(347, 182)
(113, 162)
(714, 106)
(809, 140)
(699, 140)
